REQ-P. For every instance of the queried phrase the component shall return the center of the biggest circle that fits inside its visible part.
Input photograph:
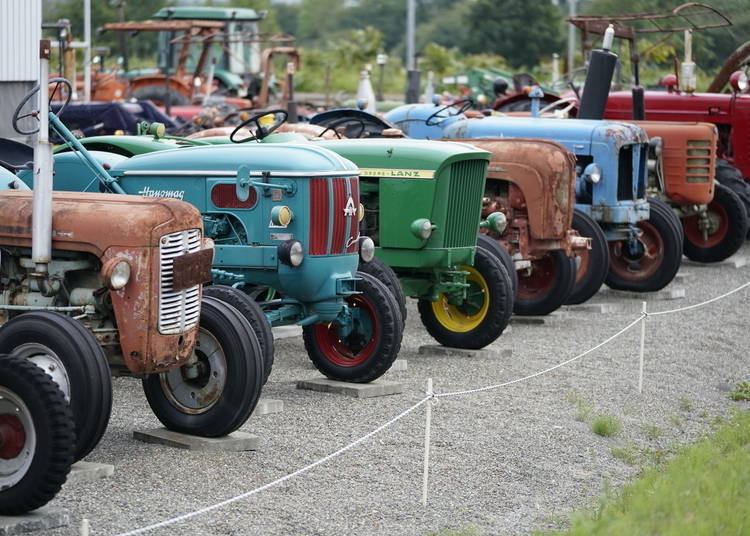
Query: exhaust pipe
(598, 79)
(41, 215)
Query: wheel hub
(17, 439)
(48, 361)
(633, 251)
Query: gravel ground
(508, 461)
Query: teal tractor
(285, 222)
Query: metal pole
(41, 208)
(87, 50)
(123, 36)
(571, 36)
(428, 415)
(643, 343)
(411, 10)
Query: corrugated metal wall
(20, 31)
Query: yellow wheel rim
(470, 314)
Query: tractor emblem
(350, 209)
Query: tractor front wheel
(484, 313)
(650, 262)
(70, 354)
(37, 436)
(385, 274)
(591, 264)
(547, 286)
(216, 390)
(720, 232)
(368, 350)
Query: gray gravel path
(508, 461)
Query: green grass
(651, 431)
(685, 403)
(606, 426)
(582, 407)
(741, 391)
(628, 453)
(704, 489)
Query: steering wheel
(16, 115)
(551, 106)
(342, 121)
(465, 104)
(260, 131)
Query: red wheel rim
(647, 265)
(720, 226)
(339, 351)
(539, 283)
(583, 258)
(12, 437)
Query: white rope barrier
(431, 397)
(278, 481)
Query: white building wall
(20, 32)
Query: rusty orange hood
(94, 222)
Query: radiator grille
(464, 203)
(333, 220)
(699, 160)
(179, 310)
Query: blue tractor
(285, 222)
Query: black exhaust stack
(598, 79)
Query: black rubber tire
(85, 366)
(384, 350)
(498, 299)
(55, 436)
(730, 176)
(663, 222)
(158, 95)
(530, 301)
(728, 202)
(385, 274)
(488, 243)
(220, 324)
(253, 314)
(587, 284)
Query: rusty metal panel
(20, 27)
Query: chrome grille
(699, 161)
(179, 310)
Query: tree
(523, 31)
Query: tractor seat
(15, 156)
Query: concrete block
(89, 472)
(43, 519)
(286, 332)
(399, 365)
(356, 390)
(664, 294)
(602, 308)
(266, 406)
(681, 278)
(234, 442)
(447, 351)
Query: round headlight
(291, 252)
(361, 212)
(116, 274)
(366, 248)
(592, 174)
(738, 81)
(422, 228)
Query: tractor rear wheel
(548, 285)
(368, 351)
(70, 354)
(37, 436)
(592, 264)
(385, 274)
(730, 176)
(215, 392)
(253, 313)
(483, 315)
(490, 244)
(650, 262)
(727, 223)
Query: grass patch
(606, 426)
(582, 407)
(702, 490)
(685, 403)
(651, 431)
(741, 391)
(628, 453)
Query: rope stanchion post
(428, 423)
(84, 529)
(644, 314)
